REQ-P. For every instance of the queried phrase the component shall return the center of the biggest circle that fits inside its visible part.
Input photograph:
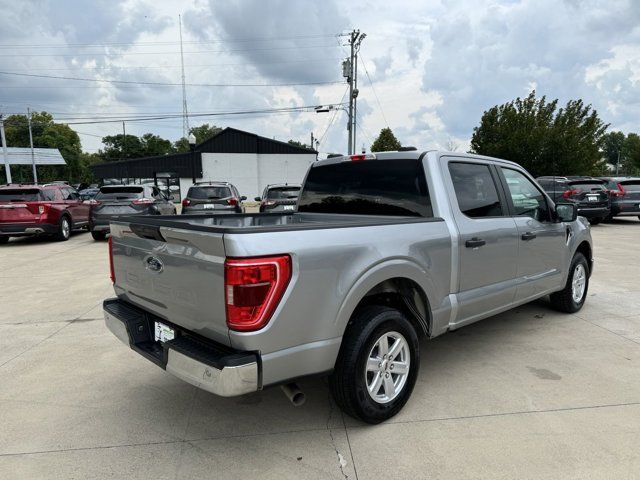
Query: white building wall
(251, 172)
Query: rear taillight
(36, 208)
(43, 209)
(621, 191)
(186, 202)
(570, 193)
(93, 202)
(232, 201)
(268, 203)
(253, 289)
(143, 201)
(112, 272)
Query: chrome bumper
(227, 381)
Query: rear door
(541, 240)
(19, 205)
(488, 242)
(75, 206)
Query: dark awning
(177, 163)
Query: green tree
(630, 157)
(296, 143)
(542, 138)
(46, 134)
(385, 142)
(202, 133)
(153, 145)
(120, 147)
(612, 145)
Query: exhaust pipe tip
(294, 394)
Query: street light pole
(33, 157)
(7, 168)
(192, 148)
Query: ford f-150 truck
(384, 250)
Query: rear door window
(49, 194)
(367, 187)
(21, 195)
(120, 193)
(209, 193)
(475, 189)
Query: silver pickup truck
(383, 251)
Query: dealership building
(247, 160)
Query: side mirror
(257, 199)
(566, 212)
(243, 198)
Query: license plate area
(592, 198)
(163, 333)
(289, 207)
(208, 206)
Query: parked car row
(58, 208)
(597, 198)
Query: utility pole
(124, 142)
(33, 157)
(618, 163)
(7, 168)
(185, 111)
(350, 71)
(312, 140)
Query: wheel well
(585, 249)
(405, 295)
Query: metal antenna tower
(185, 110)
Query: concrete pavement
(530, 393)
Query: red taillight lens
(112, 272)
(356, 158)
(621, 190)
(569, 193)
(186, 202)
(37, 208)
(253, 289)
(143, 201)
(232, 201)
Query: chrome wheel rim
(387, 367)
(579, 283)
(66, 229)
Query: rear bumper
(26, 229)
(201, 211)
(205, 364)
(626, 208)
(595, 212)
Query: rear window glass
(283, 193)
(587, 185)
(20, 195)
(119, 193)
(368, 187)
(209, 193)
(631, 186)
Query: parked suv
(115, 200)
(50, 209)
(212, 197)
(279, 197)
(624, 193)
(589, 193)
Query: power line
(296, 47)
(163, 84)
(335, 113)
(374, 92)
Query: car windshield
(283, 193)
(369, 187)
(20, 195)
(209, 193)
(119, 193)
(632, 186)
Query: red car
(51, 209)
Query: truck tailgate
(173, 273)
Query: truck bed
(267, 222)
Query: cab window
(527, 200)
(475, 189)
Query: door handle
(528, 236)
(475, 242)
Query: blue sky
(435, 66)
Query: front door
(488, 241)
(541, 240)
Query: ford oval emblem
(154, 264)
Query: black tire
(3, 240)
(348, 382)
(595, 221)
(99, 236)
(563, 300)
(64, 229)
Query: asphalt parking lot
(530, 393)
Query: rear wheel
(3, 240)
(64, 229)
(571, 298)
(377, 366)
(98, 235)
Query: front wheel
(571, 298)
(377, 366)
(64, 229)
(595, 221)
(3, 240)
(99, 236)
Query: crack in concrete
(341, 461)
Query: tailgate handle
(147, 231)
(475, 242)
(528, 236)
